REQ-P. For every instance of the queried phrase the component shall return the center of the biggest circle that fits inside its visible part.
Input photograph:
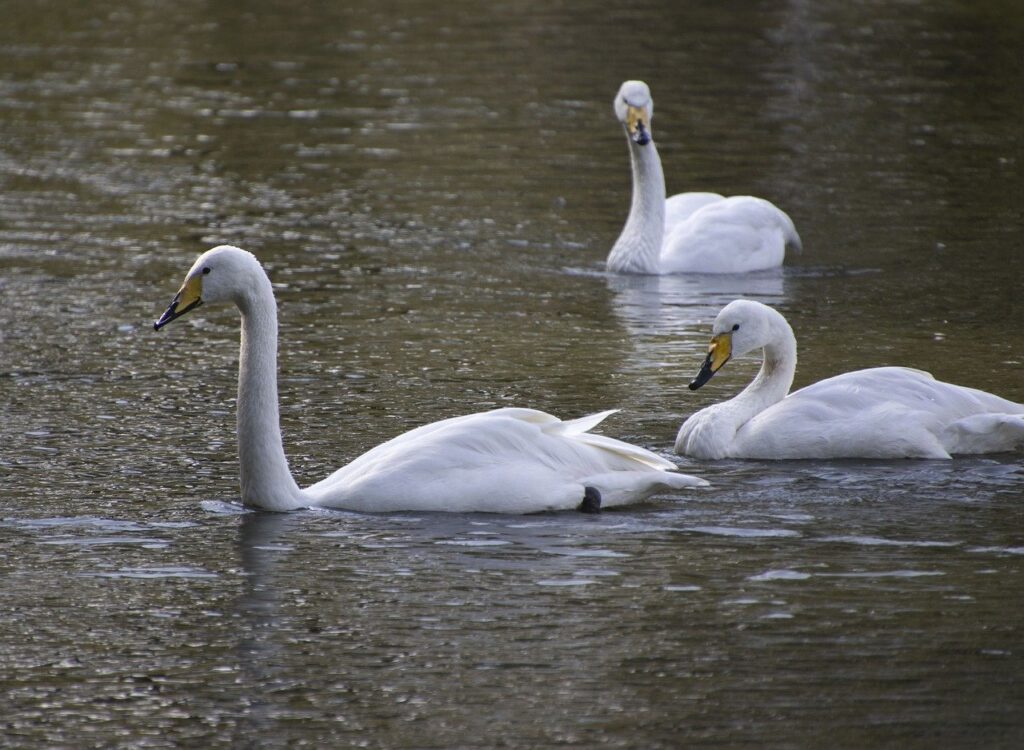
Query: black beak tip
(171, 314)
(703, 376)
(166, 318)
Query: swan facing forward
(882, 412)
(506, 460)
(690, 232)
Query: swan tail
(624, 487)
(793, 241)
(985, 433)
(790, 237)
(676, 480)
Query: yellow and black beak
(719, 352)
(187, 298)
(637, 125)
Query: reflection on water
(768, 595)
(434, 190)
(259, 620)
(664, 313)
(668, 319)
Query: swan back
(733, 235)
(682, 206)
(506, 460)
(883, 412)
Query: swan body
(881, 412)
(506, 460)
(689, 232)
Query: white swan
(506, 460)
(690, 232)
(882, 412)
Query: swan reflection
(668, 316)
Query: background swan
(506, 460)
(882, 412)
(690, 232)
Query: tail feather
(625, 450)
(985, 433)
(623, 487)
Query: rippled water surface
(433, 189)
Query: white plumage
(506, 460)
(882, 412)
(689, 232)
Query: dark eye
(207, 270)
(735, 327)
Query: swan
(689, 232)
(510, 460)
(881, 412)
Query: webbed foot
(591, 501)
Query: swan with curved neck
(881, 412)
(689, 232)
(506, 460)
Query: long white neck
(638, 249)
(775, 378)
(711, 432)
(267, 482)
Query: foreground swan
(883, 412)
(507, 460)
(690, 232)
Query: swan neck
(638, 249)
(775, 377)
(713, 431)
(266, 480)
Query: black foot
(591, 501)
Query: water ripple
(741, 532)
(874, 541)
(154, 572)
(780, 575)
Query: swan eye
(207, 270)
(736, 327)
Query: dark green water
(433, 188)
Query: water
(433, 189)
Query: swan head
(635, 108)
(740, 327)
(218, 275)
